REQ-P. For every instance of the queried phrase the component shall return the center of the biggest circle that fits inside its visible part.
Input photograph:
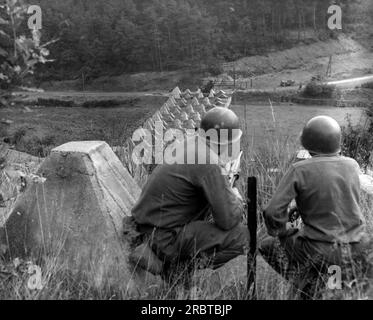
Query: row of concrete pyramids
(182, 111)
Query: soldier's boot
(144, 257)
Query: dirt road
(88, 95)
(348, 83)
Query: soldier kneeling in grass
(172, 213)
(326, 189)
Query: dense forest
(98, 37)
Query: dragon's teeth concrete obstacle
(77, 213)
(182, 111)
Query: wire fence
(335, 102)
(291, 97)
(232, 84)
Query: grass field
(261, 122)
(37, 129)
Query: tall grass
(58, 282)
(358, 141)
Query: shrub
(108, 103)
(3, 131)
(56, 103)
(18, 135)
(368, 85)
(358, 142)
(315, 89)
(39, 147)
(2, 162)
(31, 144)
(214, 67)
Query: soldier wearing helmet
(187, 209)
(326, 190)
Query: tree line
(98, 37)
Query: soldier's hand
(293, 214)
(294, 218)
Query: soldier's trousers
(199, 240)
(306, 262)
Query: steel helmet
(220, 118)
(323, 135)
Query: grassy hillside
(299, 63)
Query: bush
(18, 135)
(368, 85)
(31, 144)
(358, 142)
(87, 104)
(39, 147)
(214, 67)
(315, 89)
(56, 103)
(108, 103)
(3, 131)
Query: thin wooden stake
(252, 227)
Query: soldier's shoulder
(319, 160)
(301, 163)
(350, 161)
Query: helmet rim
(222, 143)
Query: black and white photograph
(202, 152)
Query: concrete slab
(16, 169)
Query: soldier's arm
(227, 209)
(276, 214)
